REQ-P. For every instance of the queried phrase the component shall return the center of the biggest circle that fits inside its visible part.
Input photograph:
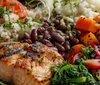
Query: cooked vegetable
(92, 63)
(89, 38)
(75, 53)
(86, 24)
(15, 6)
(68, 74)
(97, 49)
(97, 18)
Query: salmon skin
(25, 64)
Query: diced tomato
(16, 7)
(93, 63)
(89, 38)
(75, 54)
(97, 49)
(1, 1)
(87, 25)
(75, 57)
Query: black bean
(59, 17)
(59, 47)
(28, 41)
(41, 30)
(34, 35)
(56, 22)
(54, 48)
(47, 35)
(69, 33)
(45, 25)
(78, 33)
(65, 55)
(27, 36)
(75, 41)
(56, 36)
(47, 22)
(67, 46)
(62, 53)
(67, 42)
(47, 43)
(61, 27)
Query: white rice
(88, 8)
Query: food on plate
(27, 64)
(15, 6)
(91, 25)
(67, 74)
(49, 42)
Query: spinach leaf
(68, 74)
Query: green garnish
(26, 45)
(37, 20)
(22, 54)
(13, 4)
(40, 60)
(67, 74)
(88, 52)
(4, 10)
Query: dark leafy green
(67, 74)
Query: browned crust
(49, 56)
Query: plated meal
(49, 42)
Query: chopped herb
(13, 4)
(40, 60)
(4, 10)
(22, 54)
(37, 20)
(26, 45)
(88, 52)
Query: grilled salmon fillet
(25, 64)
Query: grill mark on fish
(12, 53)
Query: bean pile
(59, 34)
